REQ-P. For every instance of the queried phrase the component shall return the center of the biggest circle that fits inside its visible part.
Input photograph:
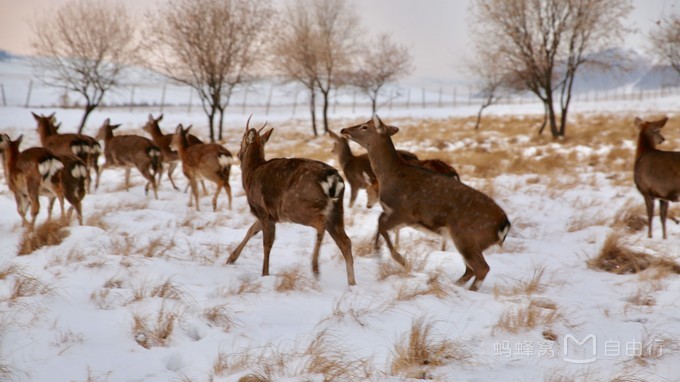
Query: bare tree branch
(83, 46)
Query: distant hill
(5, 55)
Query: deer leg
(194, 193)
(127, 178)
(315, 255)
(385, 223)
(205, 190)
(50, 205)
(663, 213)
(21, 201)
(649, 202)
(227, 189)
(268, 236)
(254, 229)
(353, 195)
(171, 169)
(474, 262)
(336, 229)
(35, 203)
(150, 180)
(372, 195)
(214, 200)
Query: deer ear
(638, 122)
(391, 130)
(662, 122)
(36, 116)
(332, 134)
(113, 127)
(159, 118)
(107, 121)
(188, 128)
(265, 136)
(19, 139)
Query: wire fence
(291, 99)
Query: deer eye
(364, 127)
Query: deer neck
(345, 153)
(43, 132)
(645, 144)
(253, 158)
(383, 157)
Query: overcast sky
(434, 30)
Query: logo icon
(577, 351)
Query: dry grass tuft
(154, 332)
(408, 291)
(8, 271)
(655, 346)
(220, 316)
(419, 350)
(26, 286)
(49, 233)
(326, 356)
(632, 219)
(292, 280)
(536, 284)
(516, 320)
(615, 258)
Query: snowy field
(141, 292)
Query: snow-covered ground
(141, 292)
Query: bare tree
(213, 46)
(295, 54)
(337, 31)
(544, 42)
(382, 62)
(83, 47)
(666, 40)
(315, 45)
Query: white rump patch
(366, 178)
(49, 167)
(332, 186)
(79, 171)
(503, 233)
(225, 160)
(77, 149)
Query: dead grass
(327, 356)
(632, 219)
(617, 259)
(521, 319)
(433, 287)
(220, 316)
(291, 280)
(151, 332)
(26, 286)
(535, 284)
(654, 346)
(49, 233)
(420, 349)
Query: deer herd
(412, 192)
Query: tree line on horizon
(217, 46)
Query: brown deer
(28, 172)
(656, 172)
(129, 151)
(415, 196)
(83, 146)
(357, 169)
(297, 190)
(163, 141)
(200, 161)
(74, 179)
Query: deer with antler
(412, 195)
(164, 141)
(129, 151)
(302, 191)
(656, 172)
(210, 161)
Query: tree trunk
(479, 115)
(312, 109)
(88, 109)
(545, 118)
(552, 118)
(325, 112)
(211, 124)
(219, 127)
(374, 104)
